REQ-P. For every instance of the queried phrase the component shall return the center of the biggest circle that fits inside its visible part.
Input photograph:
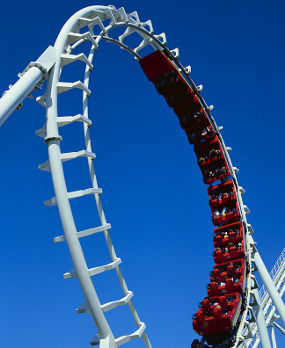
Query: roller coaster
(235, 312)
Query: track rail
(70, 38)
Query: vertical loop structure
(226, 314)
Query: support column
(273, 339)
(269, 285)
(260, 320)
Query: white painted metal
(13, 98)
(86, 233)
(33, 74)
(150, 39)
(281, 329)
(278, 276)
(110, 305)
(69, 35)
(273, 338)
(260, 320)
(268, 283)
(62, 54)
(275, 274)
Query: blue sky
(153, 193)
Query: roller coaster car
(156, 64)
(215, 171)
(226, 214)
(168, 81)
(230, 253)
(186, 102)
(221, 194)
(193, 122)
(176, 91)
(216, 289)
(209, 152)
(229, 269)
(201, 136)
(216, 317)
(227, 278)
(228, 233)
(180, 99)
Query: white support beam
(33, 74)
(269, 285)
(260, 321)
(273, 339)
(280, 328)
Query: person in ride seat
(207, 175)
(224, 211)
(225, 236)
(218, 253)
(223, 301)
(205, 132)
(234, 236)
(226, 196)
(200, 316)
(217, 310)
(238, 272)
(193, 136)
(218, 237)
(232, 249)
(230, 285)
(205, 304)
(167, 81)
(197, 117)
(213, 153)
(216, 213)
(213, 286)
(202, 159)
(230, 299)
(225, 311)
(211, 174)
(225, 250)
(216, 274)
(221, 196)
(231, 270)
(237, 265)
(221, 171)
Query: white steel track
(278, 276)
(77, 30)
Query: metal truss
(91, 25)
(251, 333)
